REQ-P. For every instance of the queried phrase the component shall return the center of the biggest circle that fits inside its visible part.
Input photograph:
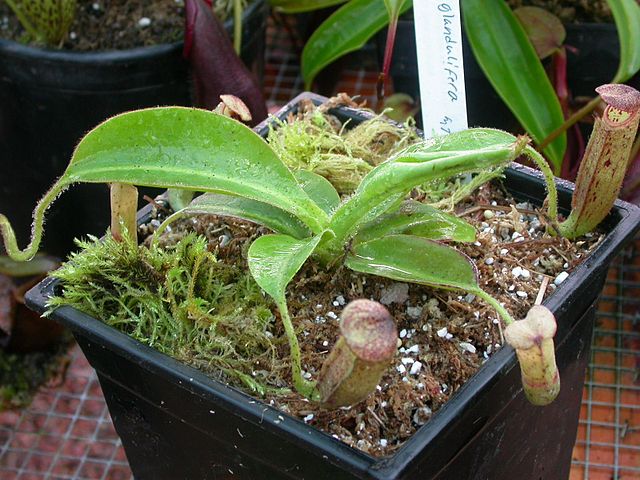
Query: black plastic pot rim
(286, 426)
(10, 47)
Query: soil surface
(444, 337)
(113, 24)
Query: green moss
(446, 194)
(181, 301)
(317, 142)
(341, 155)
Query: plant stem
(572, 120)
(237, 26)
(124, 206)
(388, 55)
(552, 197)
(9, 235)
(304, 387)
(163, 226)
(508, 319)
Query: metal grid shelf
(608, 445)
(67, 433)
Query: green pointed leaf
(509, 61)
(275, 259)
(626, 14)
(247, 209)
(319, 190)
(417, 260)
(416, 218)
(299, 6)
(175, 147)
(345, 31)
(46, 21)
(179, 199)
(441, 157)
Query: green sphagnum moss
(340, 154)
(181, 301)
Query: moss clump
(181, 301)
(318, 142)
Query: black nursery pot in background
(49, 99)
(175, 422)
(593, 63)
(595, 59)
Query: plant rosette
(147, 391)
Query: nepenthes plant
(376, 230)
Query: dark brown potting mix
(444, 337)
(117, 24)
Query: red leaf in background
(575, 140)
(216, 69)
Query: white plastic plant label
(440, 67)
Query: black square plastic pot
(175, 422)
(50, 98)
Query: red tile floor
(67, 432)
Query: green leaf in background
(417, 260)
(190, 149)
(626, 14)
(509, 61)
(299, 6)
(46, 21)
(345, 31)
(246, 209)
(319, 190)
(419, 219)
(393, 8)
